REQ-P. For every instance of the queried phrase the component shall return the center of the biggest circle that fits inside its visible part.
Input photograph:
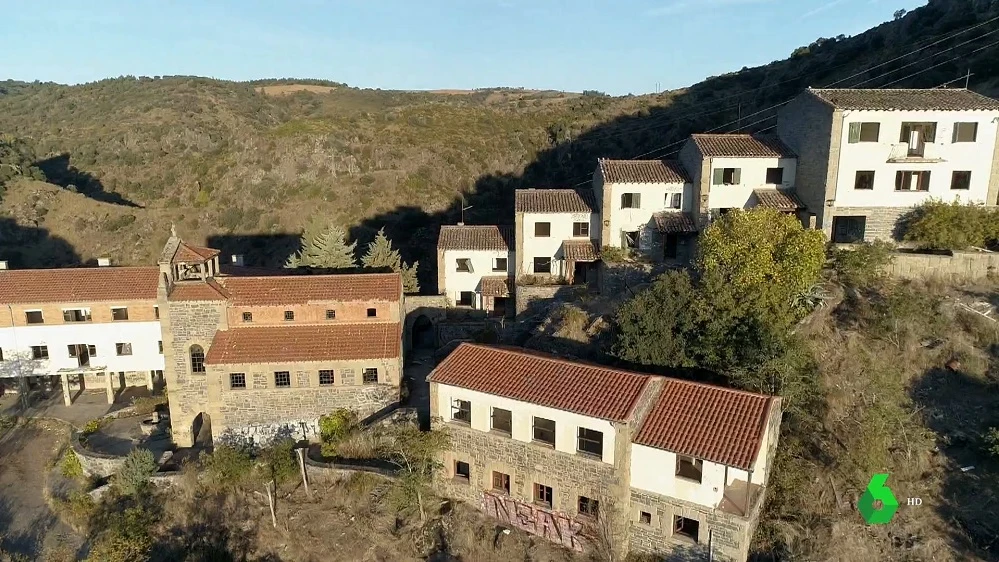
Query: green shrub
(613, 254)
(992, 441)
(7, 422)
(334, 428)
(133, 476)
(951, 226)
(118, 223)
(79, 507)
(279, 460)
(147, 404)
(126, 538)
(228, 466)
(70, 466)
(863, 264)
(92, 426)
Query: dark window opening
(466, 298)
(965, 132)
(542, 229)
(237, 380)
(629, 239)
(542, 265)
(543, 495)
(76, 315)
(156, 312)
(588, 507)
(119, 314)
(912, 181)
(502, 420)
(289, 315)
(372, 312)
(645, 518)
(689, 468)
(960, 180)
(727, 176)
(197, 359)
(331, 315)
(461, 411)
(39, 352)
(631, 200)
(33, 317)
(775, 175)
(544, 431)
(159, 344)
(464, 265)
(590, 442)
(864, 132)
(370, 376)
(864, 180)
(247, 317)
(580, 229)
(462, 470)
(684, 527)
(501, 482)
(848, 230)
(674, 200)
(499, 264)
(325, 377)
(916, 135)
(282, 379)
(123, 348)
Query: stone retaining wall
(160, 480)
(962, 266)
(535, 300)
(93, 463)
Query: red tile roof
(496, 286)
(741, 146)
(187, 253)
(542, 379)
(291, 344)
(78, 284)
(475, 237)
(778, 199)
(303, 289)
(674, 222)
(902, 99)
(555, 201)
(197, 291)
(642, 171)
(716, 424)
(580, 250)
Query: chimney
(461, 223)
(237, 260)
(103, 262)
(3, 264)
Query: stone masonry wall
(882, 222)
(962, 266)
(809, 127)
(535, 300)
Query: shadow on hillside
(960, 409)
(59, 171)
(258, 250)
(33, 247)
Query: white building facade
(475, 266)
(557, 234)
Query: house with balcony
(87, 327)
(646, 206)
(739, 171)
(475, 267)
(867, 156)
(550, 445)
(557, 234)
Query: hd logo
(877, 492)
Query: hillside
(247, 165)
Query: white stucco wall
(482, 266)
(654, 470)
(753, 176)
(975, 157)
(144, 336)
(551, 246)
(522, 413)
(654, 198)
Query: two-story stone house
(475, 266)
(254, 356)
(557, 234)
(96, 327)
(646, 206)
(579, 453)
(866, 157)
(739, 171)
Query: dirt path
(27, 526)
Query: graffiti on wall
(534, 519)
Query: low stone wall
(535, 300)
(93, 463)
(160, 480)
(961, 266)
(329, 472)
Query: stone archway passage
(201, 430)
(424, 336)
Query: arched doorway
(201, 430)
(423, 333)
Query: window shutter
(953, 137)
(931, 133)
(636, 200)
(624, 200)
(719, 176)
(737, 176)
(854, 133)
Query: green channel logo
(877, 492)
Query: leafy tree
(278, 461)
(381, 255)
(334, 428)
(862, 265)
(951, 226)
(327, 248)
(416, 453)
(132, 479)
(228, 466)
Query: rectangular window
(282, 379)
(927, 132)
(331, 315)
(1, 354)
(370, 376)
(247, 317)
(120, 313)
(775, 176)
(727, 176)
(159, 344)
(544, 431)
(590, 442)
(631, 200)
(965, 132)
(543, 495)
(645, 518)
(464, 265)
(848, 230)
(864, 132)
(372, 312)
(864, 180)
(237, 380)
(289, 315)
(76, 315)
(960, 180)
(580, 229)
(92, 350)
(466, 298)
(461, 411)
(686, 528)
(912, 181)
(689, 468)
(325, 377)
(33, 317)
(499, 264)
(123, 348)
(39, 352)
(588, 506)
(542, 229)
(462, 470)
(542, 265)
(630, 239)
(501, 482)
(674, 200)
(502, 421)
(156, 312)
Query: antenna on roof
(463, 209)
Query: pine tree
(327, 248)
(381, 255)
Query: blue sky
(616, 46)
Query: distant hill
(232, 164)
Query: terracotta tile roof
(496, 286)
(741, 146)
(303, 289)
(944, 99)
(187, 253)
(197, 291)
(642, 171)
(555, 201)
(337, 342)
(78, 284)
(707, 422)
(542, 379)
(778, 199)
(477, 237)
(580, 250)
(674, 222)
